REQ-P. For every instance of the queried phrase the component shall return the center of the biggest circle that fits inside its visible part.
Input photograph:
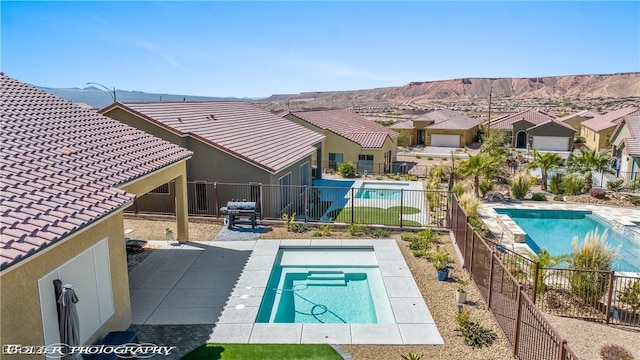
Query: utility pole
(489, 115)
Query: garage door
(445, 140)
(550, 143)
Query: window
(162, 190)
(335, 159)
(305, 174)
(285, 191)
(365, 163)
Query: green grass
(374, 215)
(263, 352)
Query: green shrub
(539, 197)
(380, 233)
(407, 236)
(573, 184)
(316, 233)
(288, 220)
(326, 229)
(378, 177)
(558, 198)
(615, 185)
(411, 356)
(592, 254)
(299, 228)
(615, 352)
(477, 336)
(630, 296)
(355, 229)
(555, 184)
(520, 185)
(427, 234)
(347, 169)
(635, 200)
(459, 189)
(463, 317)
(485, 186)
(478, 225)
(440, 259)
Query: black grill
(236, 209)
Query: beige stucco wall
(20, 301)
(575, 121)
(466, 136)
(622, 133)
(596, 140)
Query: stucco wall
(20, 302)
(600, 141)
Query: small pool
(380, 190)
(302, 288)
(555, 230)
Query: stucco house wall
(595, 140)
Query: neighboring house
(575, 120)
(535, 130)
(349, 137)
(67, 175)
(444, 128)
(597, 131)
(625, 145)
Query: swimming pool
(380, 190)
(302, 288)
(555, 230)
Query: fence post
(562, 352)
(516, 328)
(261, 200)
(493, 255)
(216, 199)
(536, 273)
(401, 205)
(306, 203)
(609, 295)
(352, 203)
(473, 243)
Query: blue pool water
(555, 230)
(380, 190)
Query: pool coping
(413, 321)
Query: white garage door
(445, 140)
(550, 143)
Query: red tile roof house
(597, 131)
(535, 130)
(232, 142)
(67, 173)
(442, 128)
(349, 137)
(625, 144)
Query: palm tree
(589, 161)
(476, 166)
(547, 161)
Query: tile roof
(60, 165)
(533, 116)
(449, 120)
(236, 127)
(407, 124)
(608, 120)
(587, 114)
(553, 121)
(349, 125)
(632, 144)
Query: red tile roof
(608, 120)
(533, 116)
(349, 125)
(236, 127)
(632, 144)
(60, 165)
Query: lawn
(375, 215)
(264, 352)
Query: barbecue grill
(237, 209)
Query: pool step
(326, 282)
(326, 278)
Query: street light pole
(111, 92)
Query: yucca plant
(520, 185)
(592, 254)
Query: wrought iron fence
(397, 168)
(398, 207)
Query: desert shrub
(459, 189)
(469, 202)
(539, 197)
(347, 169)
(463, 317)
(630, 296)
(635, 200)
(411, 356)
(427, 234)
(299, 228)
(558, 198)
(615, 185)
(355, 229)
(615, 352)
(407, 236)
(474, 334)
(573, 184)
(378, 177)
(520, 185)
(380, 233)
(316, 233)
(555, 184)
(288, 220)
(477, 224)
(433, 198)
(326, 229)
(485, 186)
(598, 193)
(592, 254)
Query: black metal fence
(396, 206)
(401, 168)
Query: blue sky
(253, 49)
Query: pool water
(325, 294)
(555, 230)
(380, 190)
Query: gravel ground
(147, 227)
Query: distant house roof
(60, 166)
(569, 127)
(608, 120)
(533, 116)
(632, 143)
(239, 128)
(449, 120)
(349, 125)
(407, 124)
(587, 114)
